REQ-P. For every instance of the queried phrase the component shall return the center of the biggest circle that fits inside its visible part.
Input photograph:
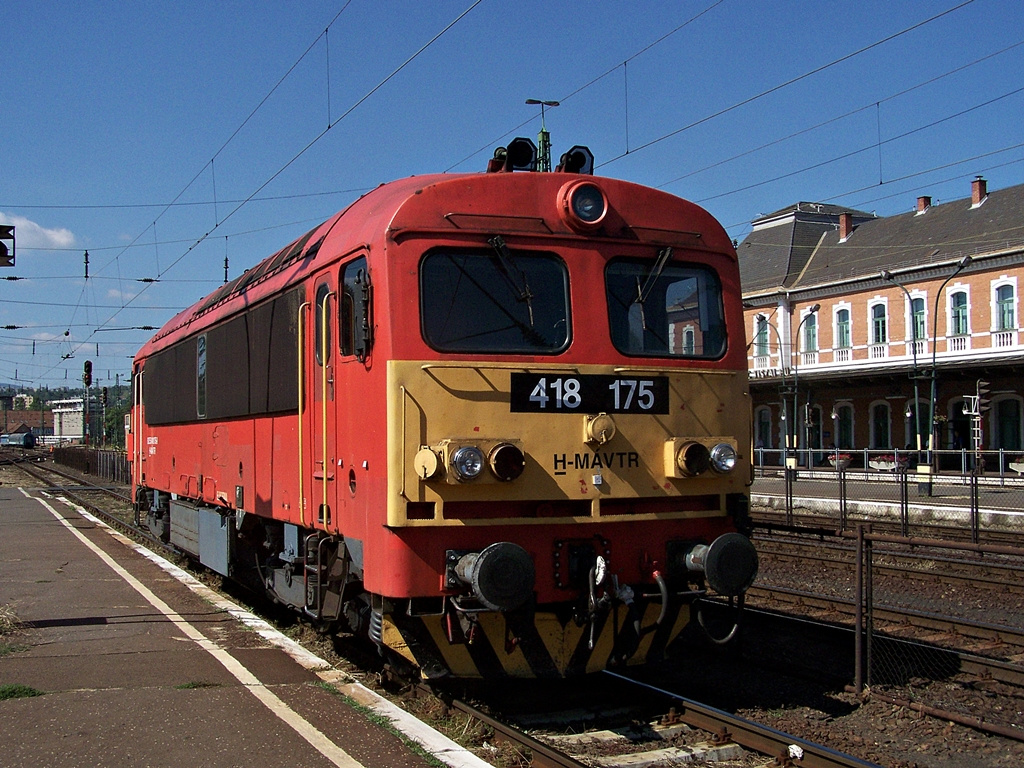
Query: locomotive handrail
(302, 407)
(324, 320)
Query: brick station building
(842, 308)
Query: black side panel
(284, 354)
(169, 388)
(227, 370)
(251, 365)
(261, 323)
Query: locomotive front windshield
(660, 309)
(494, 301)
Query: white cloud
(119, 295)
(32, 235)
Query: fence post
(975, 511)
(842, 498)
(869, 603)
(789, 496)
(904, 503)
(858, 616)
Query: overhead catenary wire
(287, 164)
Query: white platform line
(282, 711)
(436, 743)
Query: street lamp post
(543, 138)
(922, 488)
(961, 265)
(812, 311)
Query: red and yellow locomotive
(497, 422)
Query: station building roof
(808, 245)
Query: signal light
(521, 155)
(578, 159)
(982, 390)
(6, 251)
(87, 374)
(103, 396)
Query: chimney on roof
(923, 204)
(979, 191)
(845, 226)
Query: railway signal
(982, 391)
(6, 251)
(87, 374)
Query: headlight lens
(588, 203)
(723, 458)
(506, 461)
(467, 462)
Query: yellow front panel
(429, 403)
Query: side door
(320, 417)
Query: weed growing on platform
(8, 620)
(16, 691)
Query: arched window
(811, 333)
(1007, 425)
(763, 427)
(958, 314)
(761, 336)
(918, 320)
(843, 329)
(689, 341)
(880, 426)
(1005, 308)
(844, 426)
(879, 329)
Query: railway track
(930, 567)
(806, 520)
(683, 733)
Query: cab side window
(356, 310)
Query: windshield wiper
(508, 267)
(652, 278)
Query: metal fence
(109, 465)
(1004, 465)
(959, 494)
(906, 648)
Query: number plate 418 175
(572, 393)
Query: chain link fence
(940, 626)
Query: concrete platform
(140, 665)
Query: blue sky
(163, 137)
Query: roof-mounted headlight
(723, 458)
(582, 205)
(467, 462)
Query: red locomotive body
(499, 422)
